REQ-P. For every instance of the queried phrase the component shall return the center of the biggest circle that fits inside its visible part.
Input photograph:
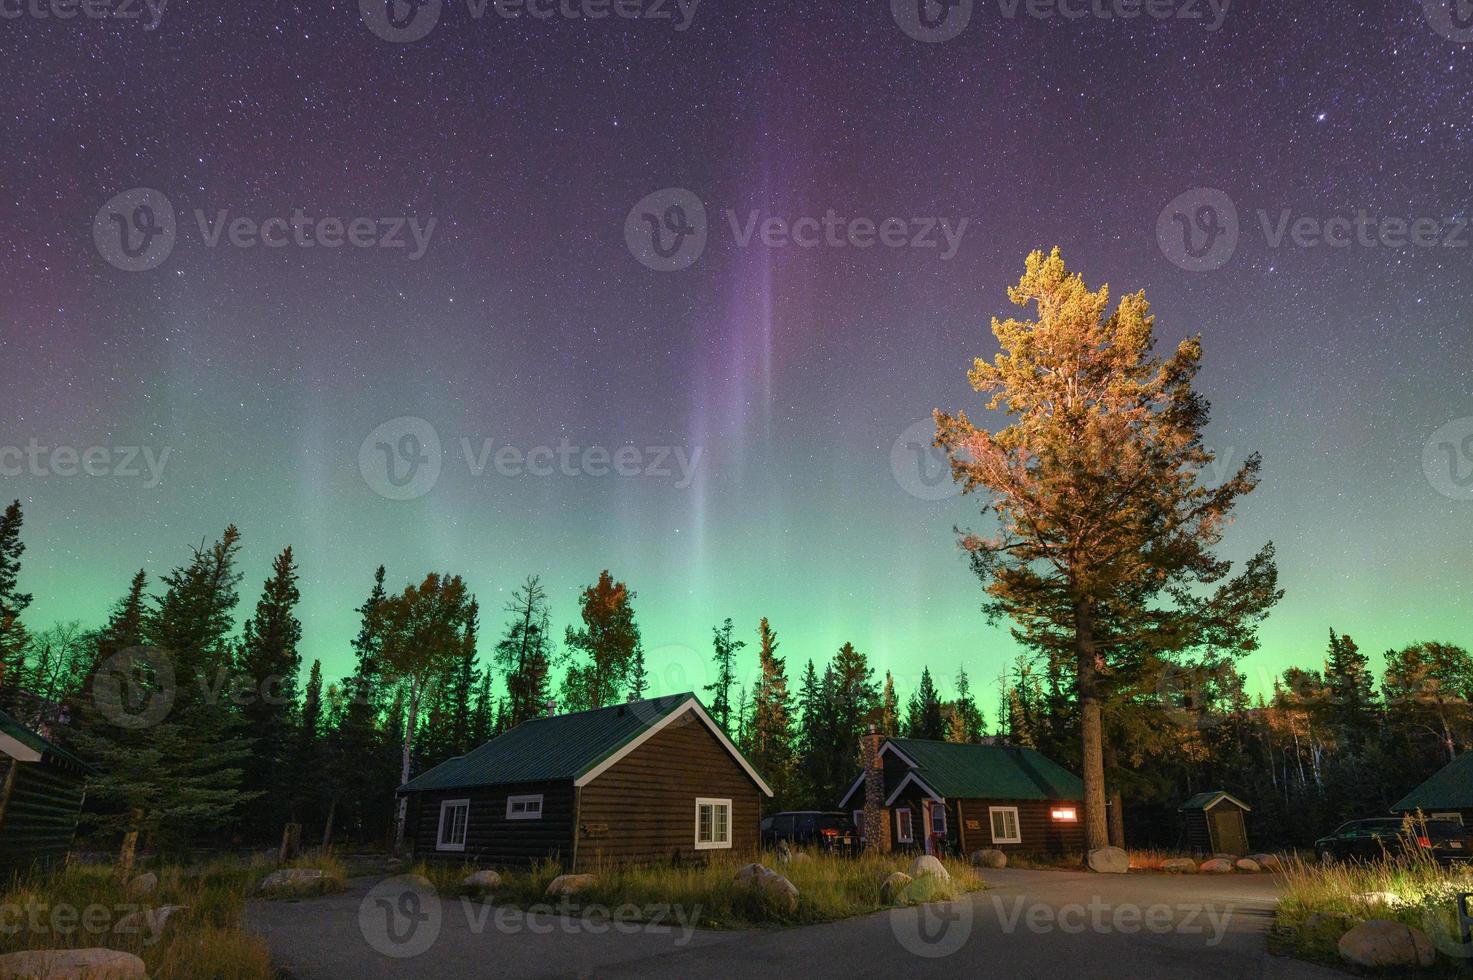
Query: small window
(904, 832)
(713, 824)
(524, 807)
(455, 816)
(1005, 825)
(938, 819)
(1064, 814)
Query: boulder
(143, 884)
(148, 922)
(892, 889)
(768, 886)
(565, 885)
(1216, 866)
(1179, 866)
(1269, 862)
(990, 858)
(293, 881)
(925, 864)
(1381, 944)
(481, 881)
(72, 964)
(1247, 864)
(1109, 861)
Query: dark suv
(810, 828)
(1369, 840)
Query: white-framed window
(524, 807)
(1004, 825)
(904, 831)
(455, 816)
(713, 824)
(938, 819)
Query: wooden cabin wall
(643, 809)
(491, 840)
(1040, 832)
(40, 816)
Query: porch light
(1065, 814)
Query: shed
(950, 796)
(42, 787)
(1214, 823)
(643, 782)
(1447, 795)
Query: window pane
(722, 819)
(703, 823)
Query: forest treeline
(206, 731)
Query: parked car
(1371, 839)
(828, 830)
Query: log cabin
(1446, 795)
(42, 787)
(914, 794)
(645, 782)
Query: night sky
(795, 372)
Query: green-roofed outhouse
(1215, 823)
(643, 782)
(1447, 795)
(41, 791)
(946, 796)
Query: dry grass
(829, 887)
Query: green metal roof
(997, 772)
(1450, 788)
(1209, 799)
(550, 749)
(14, 729)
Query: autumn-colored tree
(604, 647)
(1429, 692)
(1104, 523)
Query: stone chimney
(876, 829)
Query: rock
(482, 881)
(770, 887)
(1179, 866)
(925, 864)
(143, 884)
(892, 889)
(564, 885)
(1248, 864)
(148, 922)
(1269, 862)
(1381, 943)
(72, 964)
(990, 858)
(1109, 861)
(293, 881)
(1216, 866)
(1390, 900)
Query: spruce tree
(771, 737)
(970, 724)
(889, 708)
(923, 716)
(271, 664)
(524, 654)
(13, 602)
(725, 649)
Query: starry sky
(282, 382)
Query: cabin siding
(491, 840)
(643, 808)
(1040, 832)
(39, 803)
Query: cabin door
(1228, 834)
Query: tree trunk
(1117, 802)
(128, 853)
(402, 808)
(1096, 831)
(332, 812)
